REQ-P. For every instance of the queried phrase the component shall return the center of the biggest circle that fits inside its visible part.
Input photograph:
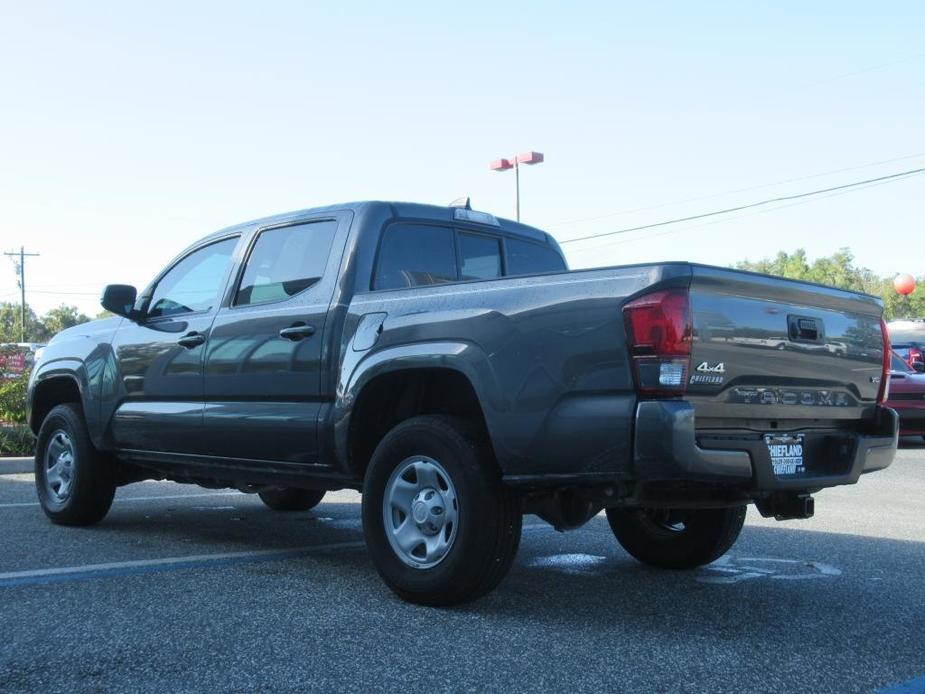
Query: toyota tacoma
(448, 365)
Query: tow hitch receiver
(786, 506)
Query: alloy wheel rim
(420, 512)
(60, 460)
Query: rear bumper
(668, 448)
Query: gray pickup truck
(449, 365)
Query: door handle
(297, 332)
(191, 339)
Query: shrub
(13, 399)
(16, 441)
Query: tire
(466, 523)
(677, 539)
(291, 499)
(74, 481)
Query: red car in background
(907, 397)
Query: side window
(526, 258)
(194, 283)
(286, 261)
(412, 255)
(479, 257)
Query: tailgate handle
(804, 329)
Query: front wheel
(440, 527)
(676, 538)
(74, 481)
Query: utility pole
(21, 270)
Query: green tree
(840, 270)
(62, 317)
(10, 322)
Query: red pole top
(501, 165)
(530, 158)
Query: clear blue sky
(128, 130)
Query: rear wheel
(74, 481)
(291, 499)
(676, 538)
(440, 526)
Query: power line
(782, 198)
(648, 237)
(36, 291)
(580, 220)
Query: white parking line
(126, 568)
(168, 497)
(58, 574)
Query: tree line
(38, 328)
(840, 270)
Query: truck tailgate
(767, 350)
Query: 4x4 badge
(704, 367)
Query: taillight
(658, 331)
(884, 391)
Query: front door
(160, 356)
(264, 373)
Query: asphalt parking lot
(186, 589)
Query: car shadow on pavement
(771, 572)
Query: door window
(195, 283)
(286, 261)
(412, 255)
(479, 257)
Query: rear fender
(464, 357)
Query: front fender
(70, 368)
(464, 357)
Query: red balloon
(904, 284)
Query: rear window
(413, 255)
(479, 257)
(526, 258)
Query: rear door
(266, 374)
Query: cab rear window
(414, 255)
(526, 258)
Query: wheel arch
(392, 388)
(59, 383)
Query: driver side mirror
(120, 299)
(919, 366)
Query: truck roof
(400, 210)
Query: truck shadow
(771, 573)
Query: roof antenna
(463, 202)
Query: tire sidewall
(460, 460)
(59, 419)
(93, 484)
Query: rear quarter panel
(546, 355)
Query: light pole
(530, 158)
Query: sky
(130, 129)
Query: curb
(12, 466)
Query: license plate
(786, 451)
